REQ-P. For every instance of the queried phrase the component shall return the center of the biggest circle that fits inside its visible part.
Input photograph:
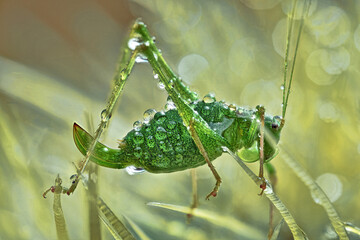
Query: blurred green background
(57, 59)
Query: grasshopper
(193, 131)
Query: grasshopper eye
(274, 126)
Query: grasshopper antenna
(287, 85)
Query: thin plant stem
(270, 194)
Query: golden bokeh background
(57, 59)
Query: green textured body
(164, 144)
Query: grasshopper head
(273, 127)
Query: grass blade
(113, 223)
(270, 194)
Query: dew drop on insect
(155, 56)
(179, 148)
(132, 170)
(148, 115)
(160, 118)
(209, 98)
(137, 125)
(141, 58)
(150, 141)
(179, 157)
(170, 106)
(161, 85)
(133, 43)
(206, 110)
(138, 152)
(171, 125)
(138, 138)
(160, 133)
(232, 107)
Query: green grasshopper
(191, 133)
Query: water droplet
(148, 115)
(138, 152)
(179, 158)
(138, 138)
(137, 125)
(282, 87)
(170, 106)
(160, 133)
(155, 56)
(133, 43)
(160, 118)
(150, 141)
(132, 170)
(140, 58)
(171, 125)
(156, 76)
(104, 116)
(209, 98)
(147, 43)
(179, 148)
(206, 110)
(161, 85)
(232, 107)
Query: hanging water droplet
(156, 76)
(133, 43)
(282, 87)
(161, 85)
(132, 170)
(148, 115)
(105, 116)
(140, 58)
(137, 125)
(209, 98)
(154, 39)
